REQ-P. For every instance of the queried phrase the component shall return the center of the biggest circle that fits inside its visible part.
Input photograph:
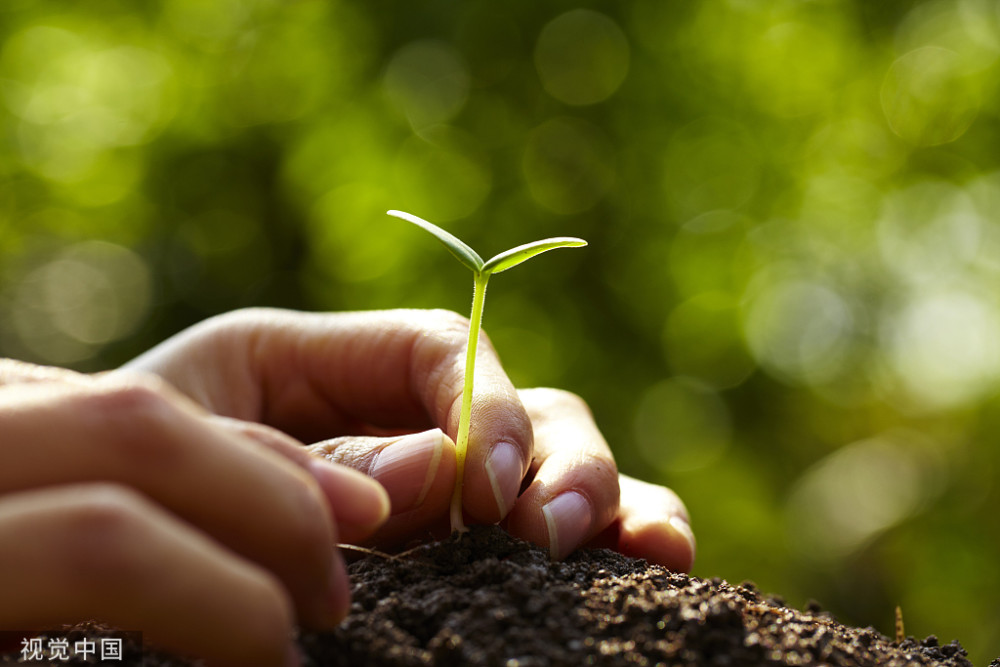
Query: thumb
(417, 471)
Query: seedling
(481, 272)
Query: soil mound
(488, 599)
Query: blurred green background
(788, 310)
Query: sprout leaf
(521, 253)
(466, 255)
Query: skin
(184, 476)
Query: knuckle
(448, 319)
(605, 473)
(438, 347)
(243, 321)
(447, 328)
(136, 417)
(549, 398)
(137, 397)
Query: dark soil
(487, 599)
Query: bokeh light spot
(859, 491)
(86, 296)
(75, 98)
(929, 232)
(798, 329)
(582, 57)
(943, 346)
(428, 81)
(928, 97)
(985, 194)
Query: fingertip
(501, 446)
(655, 525)
(669, 543)
(359, 503)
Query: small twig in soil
(375, 552)
(368, 551)
(900, 633)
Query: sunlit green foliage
(790, 308)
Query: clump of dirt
(486, 598)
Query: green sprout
(481, 272)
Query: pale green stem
(465, 418)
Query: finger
(101, 551)
(359, 504)
(417, 472)
(574, 493)
(320, 376)
(652, 524)
(140, 435)
(13, 371)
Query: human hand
(381, 390)
(123, 501)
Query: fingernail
(568, 517)
(407, 468)
(503, 468)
